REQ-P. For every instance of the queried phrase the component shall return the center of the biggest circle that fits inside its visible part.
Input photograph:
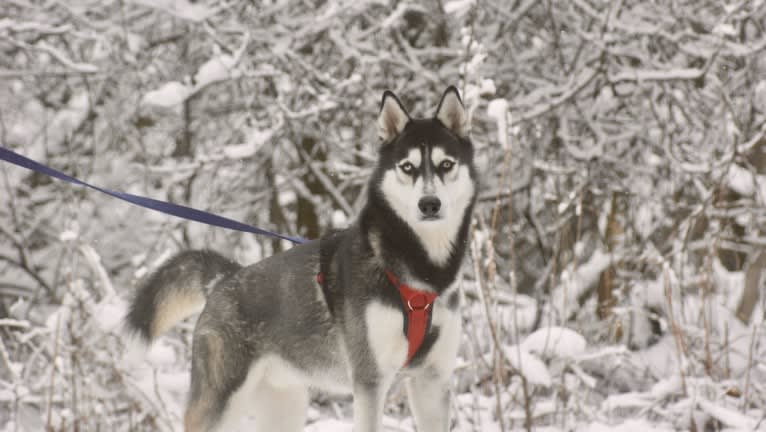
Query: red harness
(417, 304)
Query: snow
(628, 400)
(256, 139)
(217, 68)
(85, 68)
(529, 365)
(110, 313)
(745, 183)
(170, 94)
(725, 30)
(339, 219)
(727, 416)
(68, 235)
(396, 15)
(184, 9)
(666, 387)
(94, 261)
(555, 342)
(458, 7)
(577, 279)
(7, 322)
(759, 96)
(728, 283)
(240, 151)
(628, 426)
(497, 109)
(656, 75)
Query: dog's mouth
(424, 218)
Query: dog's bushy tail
(174, 291)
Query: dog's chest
(388, 342)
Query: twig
(745, 397)
(48, 425)
(675, 329)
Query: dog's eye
(446, 165)
(407, 167)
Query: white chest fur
(385, 336)
(389, 344)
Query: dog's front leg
(429, 395)
(369, 398)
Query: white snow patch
(458, 7)
(729, 284)
(577, 280)
(666, 387)
(218, 68)
(741, 180)
(497, 109)
(724, 29)
(180, 8)
(487, 87)
(727, 416)
(169, 95)
(524, 307)
(628, 426)
(396, 15)
(627, 400)
(94, 261)
(649, 293)
(759, 98)
(555, 342)
(339, 219)
(109, 314)
(68, 235)
(531, 367)
(239, 151)
(255, 140)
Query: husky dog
(345, 313)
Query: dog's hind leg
(214, 379)
(270, 400)
(226, 389)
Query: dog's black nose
(429, 206)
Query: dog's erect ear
(392, 118)
(452, 113)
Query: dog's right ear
(392, 118)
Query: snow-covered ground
(572, 382)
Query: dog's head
(426, 172)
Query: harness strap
(417, 304)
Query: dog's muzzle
(429, 207)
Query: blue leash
(157, 205)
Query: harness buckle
(422, 304)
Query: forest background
(614, 275)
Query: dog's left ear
(452, 113)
